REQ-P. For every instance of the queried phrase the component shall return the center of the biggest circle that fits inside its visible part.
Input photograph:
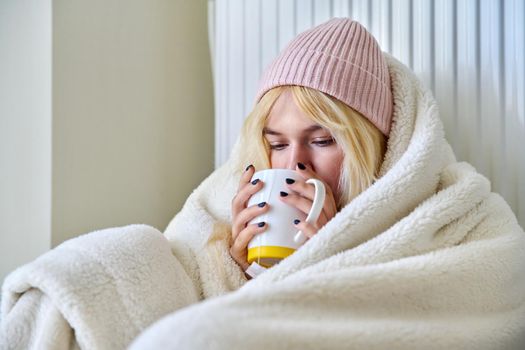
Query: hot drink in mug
(281, 238)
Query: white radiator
(471, 53)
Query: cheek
(330, 170)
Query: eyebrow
(312, 128)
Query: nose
(298, 154)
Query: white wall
(25, 131)
(130, 131)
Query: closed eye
(278, 146)
(324, 143)
(318, 143)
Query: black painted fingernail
(301, 166)
(260, 224)
(283, 194)
(290, 181)
(248, 167)
(262, 204)
(254, 182)
(296, 221)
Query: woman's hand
(301, 196)
(242, 232)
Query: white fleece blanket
(97, 291)
(426, 258)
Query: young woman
(412, 250)
(315, 114)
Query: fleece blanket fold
(426, 258)
(97, 291)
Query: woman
(319, 122)
(412, 251)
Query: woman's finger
(246, 235)
(239, 248)
(240, 200)
(297, 201)
(304, 205)
(246, 176)
(240, 221)
(309, 230)
(308, 190)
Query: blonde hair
(363, 144)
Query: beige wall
(131, 126)
(132, 111)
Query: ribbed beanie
(342, 59)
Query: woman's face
(294, 138)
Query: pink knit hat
(342, 59)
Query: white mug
(280, 239)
